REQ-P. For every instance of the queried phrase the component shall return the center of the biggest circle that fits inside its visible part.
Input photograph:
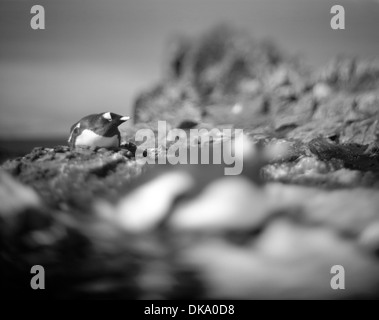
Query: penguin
(97, 130)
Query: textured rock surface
(104, 225)
(224, 77)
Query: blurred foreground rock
(106, 225)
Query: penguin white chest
(90, 138)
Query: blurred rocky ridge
(225, 77)
(106, 226)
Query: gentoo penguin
(97, 130)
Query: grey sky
(96, 55)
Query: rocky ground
(105, 225)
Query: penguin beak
(124, 118)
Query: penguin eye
(107, 116)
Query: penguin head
(97, 130)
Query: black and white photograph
(193, 150)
